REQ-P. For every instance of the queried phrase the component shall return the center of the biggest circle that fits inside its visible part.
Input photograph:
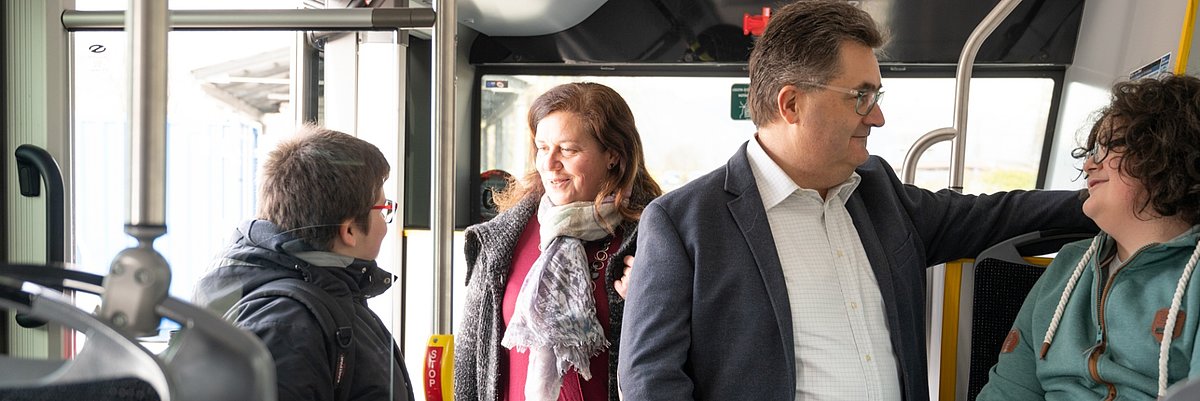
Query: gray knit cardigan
(489, 248)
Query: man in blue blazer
(797, 271)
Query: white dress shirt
(843, 351)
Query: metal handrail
(139, 276)
(38, 161)
(919, 147)
(962, 77)
(349, 19)
(442, 199)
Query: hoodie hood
(260, 252)
(1151, 254)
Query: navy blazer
(707, 315)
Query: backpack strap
(336, 317)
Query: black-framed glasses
(1100, 151)
(864, 100)
(389, 210)
(1096, 154)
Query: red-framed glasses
(389, 210)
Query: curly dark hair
(1155, 124)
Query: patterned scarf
(555, 316)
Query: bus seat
(1185, 390)
(1003, 275)
(233, 364)
(109, 367)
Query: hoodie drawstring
(1062, 301)
(1168, 330)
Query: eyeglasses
(1100, 151)
(865, 100)
(1096, 154)
(389, 210)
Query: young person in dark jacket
(542, 319)
(321, 219)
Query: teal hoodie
(1108, 353)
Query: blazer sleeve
(951, 225)
(656, 328)
(954, 226)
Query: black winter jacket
(259, 254)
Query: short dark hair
(801, 44)
(1155, 123)
(318, 179)
(603, 113)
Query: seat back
(1000, 289)
(209, 359)
(1184, 390)
(234, 364)
(109, 367)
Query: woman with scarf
(1116, 317)
(542, 318)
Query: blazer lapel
(747, 211)
(880, 263)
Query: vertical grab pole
(962, 85)
(439, 356)
(1185, 37)
(147, 29)
(442, 204)
(304, 77)
(139, 276)
(948, 383)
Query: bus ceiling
(1038, 32)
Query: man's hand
(622, 284)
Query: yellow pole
(951, 299)
(1185, 37)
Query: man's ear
(788, 103)
(346, 233)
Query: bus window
(1006, 127)
(684, 122)
(226, 91)
(688, 129)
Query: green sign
(738, 107)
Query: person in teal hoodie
(1096, 324)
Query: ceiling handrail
(962, 87)
(349, 19)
